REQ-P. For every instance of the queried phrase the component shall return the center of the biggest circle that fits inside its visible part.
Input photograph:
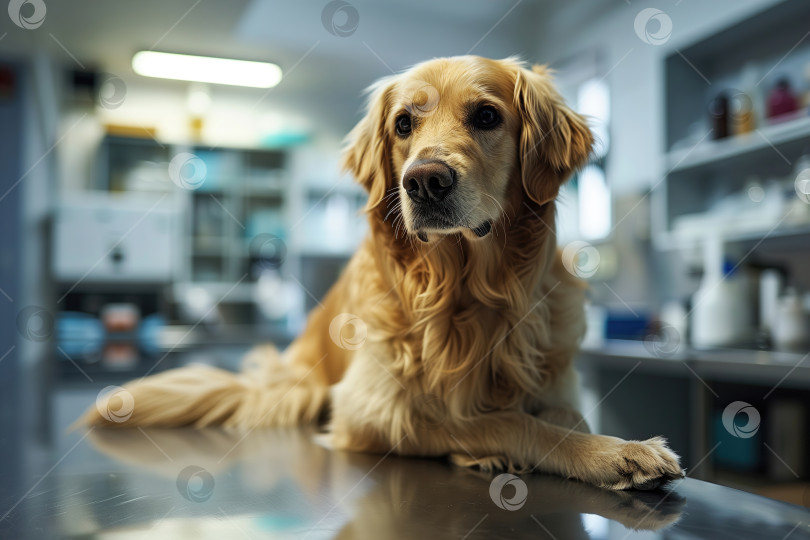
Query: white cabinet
(107, 237)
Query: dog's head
(450, 142)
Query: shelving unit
(254, 210)
(701, 171)
(118, 156)
(243, 196)
(707, 190)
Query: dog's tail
(267, 392)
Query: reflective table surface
(281, 483)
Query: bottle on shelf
(721, 307)
(770, 287)
(790, 322)
(798, 186)
(749, 83)
(718, 109)
(781, 100)
(741, 113)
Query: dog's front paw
(645, 465)
(636, 465)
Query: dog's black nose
(429, 180)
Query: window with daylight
(584, 204)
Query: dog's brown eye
(404, 125)
(486, 118)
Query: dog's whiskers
(394, 208)
(398, 223)
(391, 192)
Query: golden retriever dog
(453, 329)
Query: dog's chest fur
(467, 323)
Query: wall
(10, 372)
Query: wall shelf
(674, 241)
(766, 138)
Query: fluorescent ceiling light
(206, 69)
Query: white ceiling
(324, 73)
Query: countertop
(281, 483)
(788, 369)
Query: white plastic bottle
(721, 307)
(790, 322)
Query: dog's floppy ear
(367, 147)
(554, 140)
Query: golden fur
(470, 341)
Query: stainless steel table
(281, 483)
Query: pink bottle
(781, 100)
